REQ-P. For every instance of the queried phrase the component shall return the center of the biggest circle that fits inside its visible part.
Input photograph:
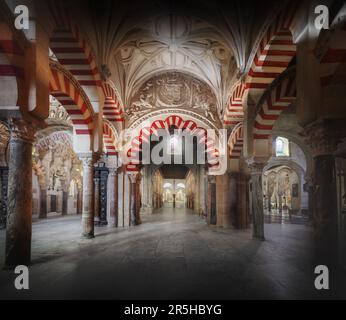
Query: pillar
(212, 200)
(133, 199)
(256, 167)
(113, 182)
(243, 201)
(64, 203)
(4, 185)
(88, 197)
(79, 201)
(322, 139)
(96, 200)
(19, 196)
(43, 204)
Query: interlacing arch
(236, 142)
(277, 99)
(178, 123)
(73, 52)
(64, 87)
(109, 139)
(113, 108)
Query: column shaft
(88, 198)
(19, 196)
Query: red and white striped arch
(179, 123)
(274, 54)
(66, 90)
(109, 139)
(236, 142)
(333, 57)
(275, 51)
(113, 108)
(277, 99)
(73, 52)
(11, 68)
(235, 111)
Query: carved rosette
(21, 130)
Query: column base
(88, 236)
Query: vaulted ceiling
(209, 40)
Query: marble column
(43, 204)
(64, 203)
(88, 197)
(96, 201)
(113, 193)
(4, 187)
(133, 199)
(19, 196)
(79, 201)
(212, 200)
(256, 169)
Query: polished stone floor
(173, 254)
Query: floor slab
(173, 254)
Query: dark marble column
(19, 202)
(133, 199)
(326, 210)
(4, 187)
(256, 169)
(212, 200)
(64, 203)
(43, 204)
(88, 197)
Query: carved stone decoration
(173, 90)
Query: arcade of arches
(90, 82)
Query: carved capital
(21, 130)
(256, 165)
(88, 161)
(133, 176)
(211, 179)
(321, 138)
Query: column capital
(322, 137)
(21, 130)
(88, 159)
(256, 164)
(133, 176)
(211, 179)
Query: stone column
(133, 199)
(256, 167)
(79, 201)
(88, 197)
(19, 196)
(96, 201)
(322, 139)
(43, 204)
(64, 202)
(212, 200)
(4, 187)
(113, 193)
